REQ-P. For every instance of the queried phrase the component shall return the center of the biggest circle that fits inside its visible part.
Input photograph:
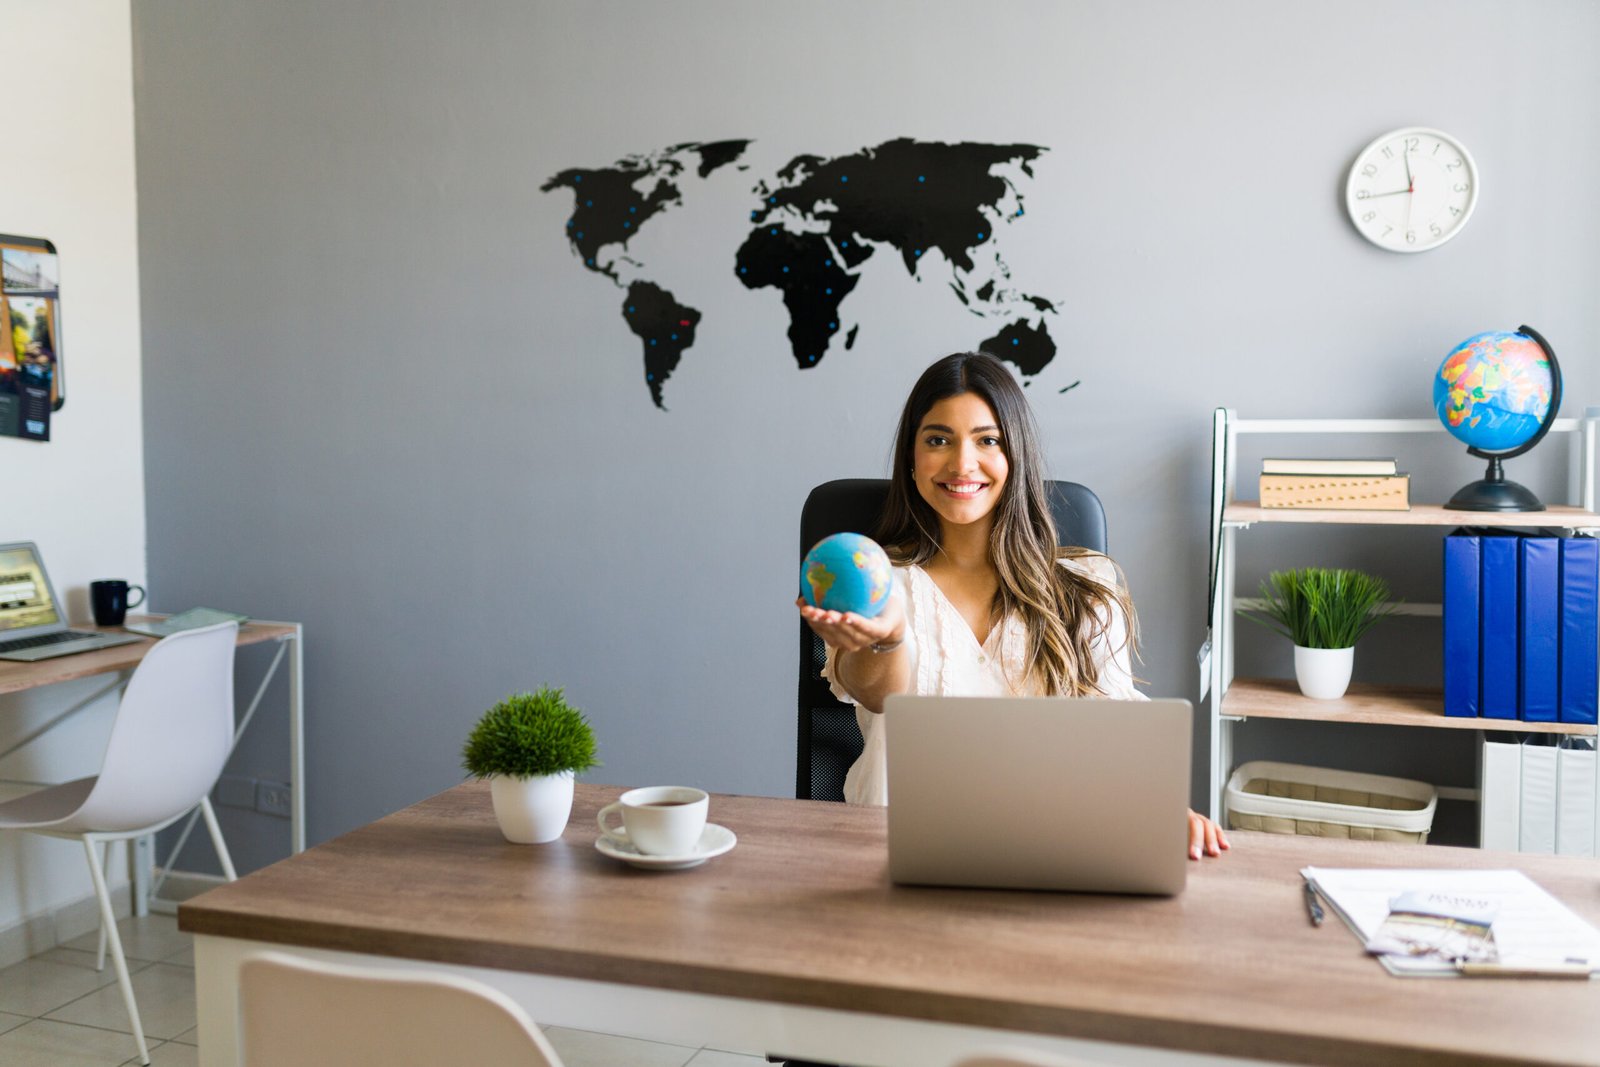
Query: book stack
(1335, 484)
(1520, 627)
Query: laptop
(31, 626)
(1039, 793)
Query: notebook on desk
(31, 626)
(1039, 793)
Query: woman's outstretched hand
(1205, 836)
(850, 632)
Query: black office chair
(829, 739)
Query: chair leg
(100, 952)
(108, 922)
(216, 839)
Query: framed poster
(31, 382)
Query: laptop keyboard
(43, 639)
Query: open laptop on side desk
(1039, 793)
(31, 626)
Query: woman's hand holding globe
(848, 594)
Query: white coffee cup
(659, 820)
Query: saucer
(714, 841)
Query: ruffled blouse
(947, 660)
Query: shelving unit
(1233, 701)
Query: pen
(1313, 905)
(1512, 970)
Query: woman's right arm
(866, 675)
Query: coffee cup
(109, 599)
(659, 820)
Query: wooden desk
(120, 659)
(796, 943)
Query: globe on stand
(1499, 393)
(847, 572)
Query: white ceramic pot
(1323, 673)
(532, 811)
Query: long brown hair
(1065, 612)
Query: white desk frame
(752, 1027)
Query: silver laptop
(31, 626)
(1039, 793)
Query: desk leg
(141, 866)
(297, 760)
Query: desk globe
(847, 572)
(1499, 394)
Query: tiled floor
(56, 1010)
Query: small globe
(1493, 390)
(847, 572)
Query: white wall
(69, 177)
(385, 399)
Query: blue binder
(1539, 618)
(1497, 632)
(1580, 611)
(1461, 566)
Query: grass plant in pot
(1324, 611)
(530, 746)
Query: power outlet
(272, 798)
(234, 791)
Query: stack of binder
(1537, 793)
(1520, 627)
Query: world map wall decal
(817, 223)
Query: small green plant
(1319, 607)
(529, 735)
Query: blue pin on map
(847, 572)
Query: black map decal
(816, 224)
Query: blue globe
(1493, 390)
(847, 572)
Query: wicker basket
(1285, 798)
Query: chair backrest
(305, 1013)
(829, 739)
(173, 732)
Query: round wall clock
(1411, 189)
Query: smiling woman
(986, 602)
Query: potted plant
(1324, 612)
(530, 746)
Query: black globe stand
(1493, 492)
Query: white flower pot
(1323, 673)
(532, 811)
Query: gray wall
(382, 398)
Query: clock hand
(1411, 183)
(1392, 192)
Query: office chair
(829, 739)
(306, 1013)
(172, 734)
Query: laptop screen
(25, 598)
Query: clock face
(1411, 190)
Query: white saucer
(714, 841)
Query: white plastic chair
(172, 734)
(1018, 1058)
(305, 1013)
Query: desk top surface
(802, 912)
(16, 677)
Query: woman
(985, 601)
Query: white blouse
(947, 660)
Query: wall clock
(1411, 189)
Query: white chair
(172, 734)
(1018, 1058)
(305, 1013)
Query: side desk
(122, 659)
(796, 943)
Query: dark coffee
(666, 804)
